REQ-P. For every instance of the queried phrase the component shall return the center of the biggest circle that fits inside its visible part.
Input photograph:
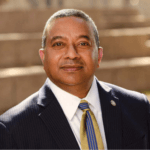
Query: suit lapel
(111, 117)
(55, 120)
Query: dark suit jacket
(39, 122)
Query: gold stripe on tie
(83, 134)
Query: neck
(79, 90)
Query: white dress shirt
(69, 104)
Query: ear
(100, 55)
(42, 54)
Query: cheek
(52, 59)
(90, 59)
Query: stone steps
(119, 11)
(125, 43)
(18, 83)
(34, 20)
(21, 49)
(135, 71)
(18, 50)
(126, 22)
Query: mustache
(72, 62)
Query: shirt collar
(69, 103)
(93, 96)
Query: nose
(72, 53)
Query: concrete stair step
(130, 73)
(125, 43)
(19, 83)
(34, 20)
(24, 21)
(126, 23)
(119, 11)
(109, 18)
(124, 19)
(148, 43)
(18, 49)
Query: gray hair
(68, 13)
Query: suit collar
(55, 120)
(104, 86)
(111, 116)
(45, 95)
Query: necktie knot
(84, 105)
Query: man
(52, 117)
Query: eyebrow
(61, 37)
(56, 37)
(85, 36)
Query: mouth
(72, 68)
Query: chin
(72, 81)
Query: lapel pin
(113, 103)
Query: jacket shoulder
(124, 94)
(20, 112)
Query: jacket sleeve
(149, 127)
(6, 140)
(148, 116)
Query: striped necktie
(89, 131)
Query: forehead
(71, 26)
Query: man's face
(71, 55)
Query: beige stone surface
(19, 53)
(26, 85)
(2, 2)
(125, 46)
(15, 89)
(133, 78)
(148, 97)
(34, 20)
(7, 94)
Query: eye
(57, 44)
(84, 44)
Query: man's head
(70, 53)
